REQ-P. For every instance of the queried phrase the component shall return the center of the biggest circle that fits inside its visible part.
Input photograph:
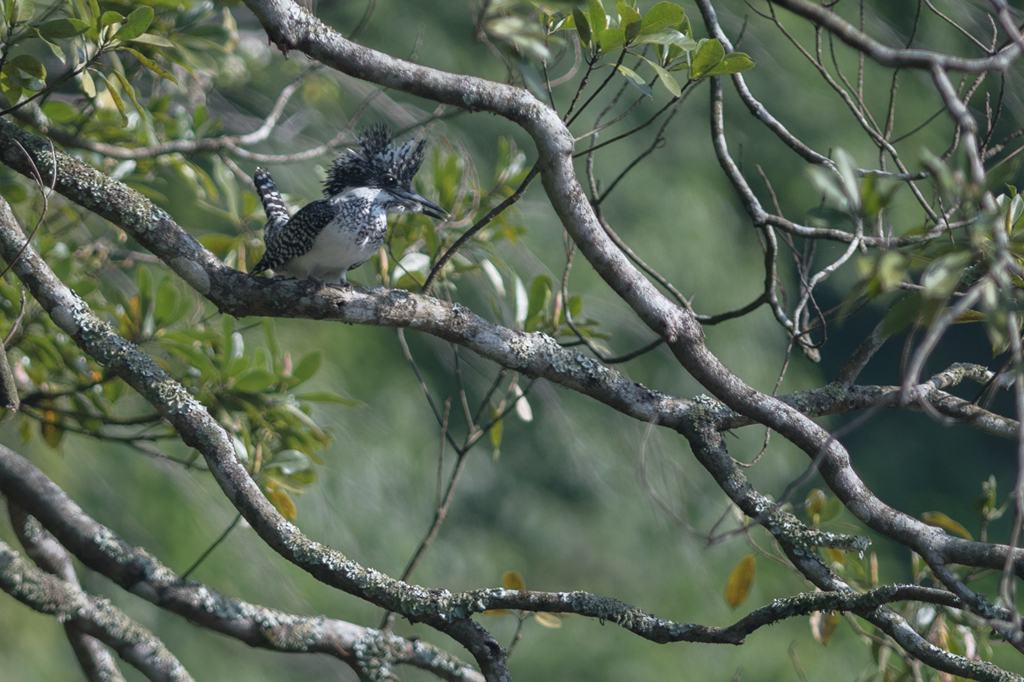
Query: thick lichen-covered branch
(97, 617)
(40, 546)
(139, 572)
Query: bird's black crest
(377, 162)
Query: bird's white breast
(355, 234)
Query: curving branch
(901, 57)
(144, 575)
(96, 661)
(97, 617)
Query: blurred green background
(562, 504)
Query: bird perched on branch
(327, 238)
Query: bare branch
(97, 617)
(141, 573)
(96, 661)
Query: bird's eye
(389, 181)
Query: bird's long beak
(418, 204)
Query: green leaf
(598, 18)
(256, 381)
(326, 397)
(137, 23)
(167, 309)
(1016, 208)
(118, 102)
(741, 579)
(969, 316)
(832, 510)
(815, 502)
(16, 194)
(308, 366)
(88, 87)
(575, 306)
(151, 65)
(667, 36)
(144, 281)
(582, 26)
(901, 314)
(150, 39)
(737, 62)
(218, 242)
(662, 15)
(946, 523)
(708, 56)
(685, 28)
(289, 462)
(283, 503)
(131, 93)
(670, 83)
(12, 90)
(23, 81)
(630, 21)
(56, 49)
(195, 358)
(60, 112)
(611, 39)
(496, 433)
(27, 64)
(110, 18)
(540, 294)
(63, 28)
(634, 79)
(20, 11)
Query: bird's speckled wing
(296, 237)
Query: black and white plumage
(273, 204)
(329, 237)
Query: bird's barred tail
(273, 204)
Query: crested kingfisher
(327, 238)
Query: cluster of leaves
(60, 388)
(87, 41)
(946, 268)
(84, 68)
(943, 268)
(253, 394)
(665, 27)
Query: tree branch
(97, 617)
(97, 663)
(144, 575)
